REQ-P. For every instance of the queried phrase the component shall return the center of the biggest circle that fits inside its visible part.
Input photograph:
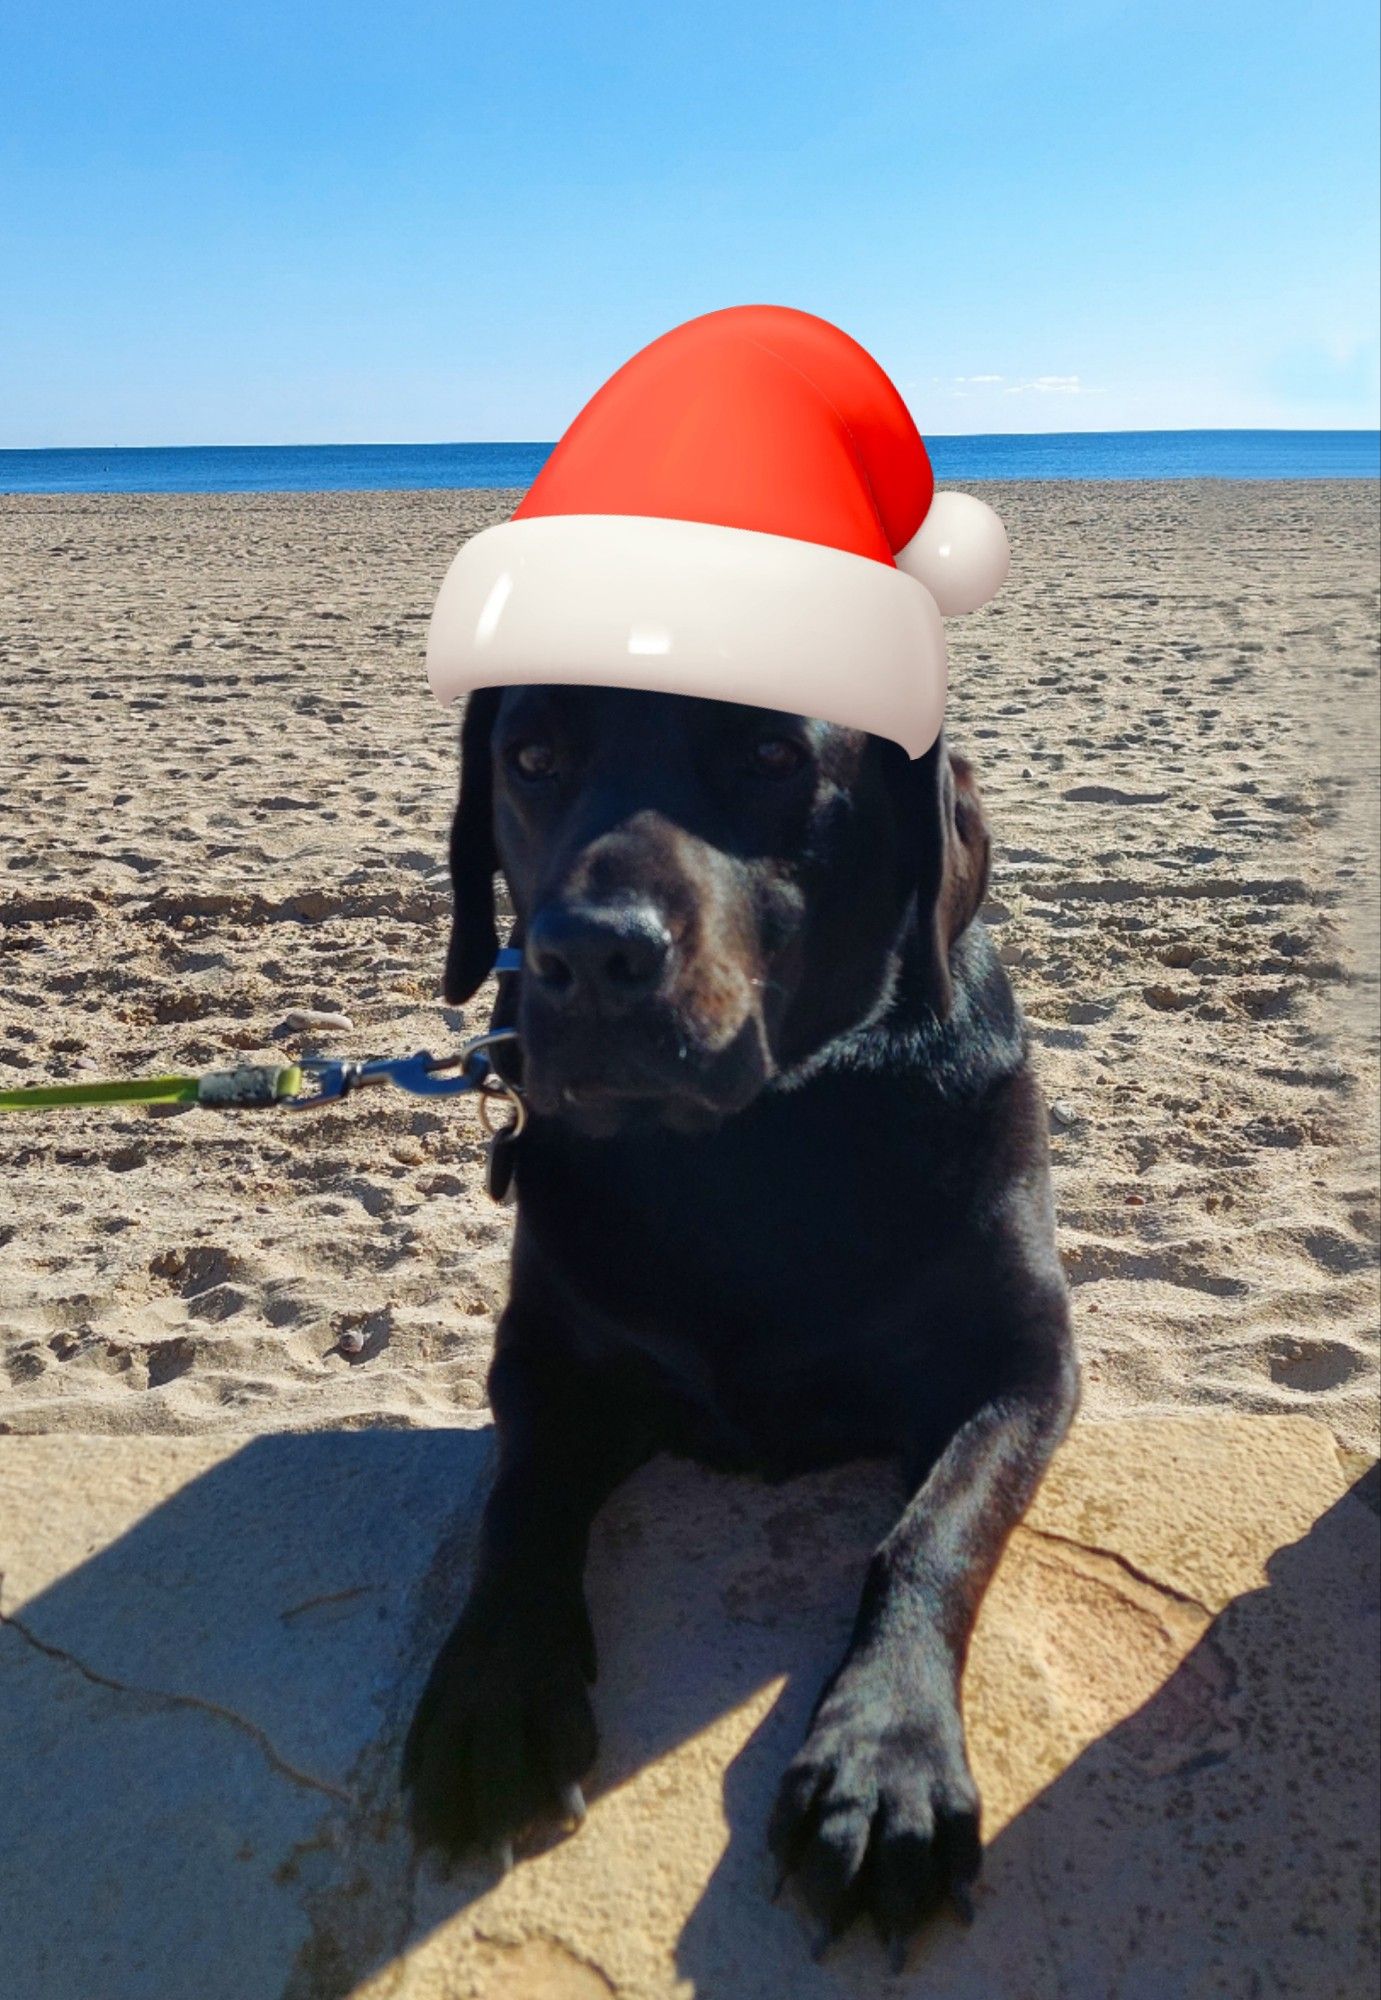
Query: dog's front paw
(878, 1812)
(504, 1730)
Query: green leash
(253, 1084)
(315, 1080)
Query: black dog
(784, 1200)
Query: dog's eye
(533, 761)
(777, 757)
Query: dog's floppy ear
(952, 859)
(474, 936)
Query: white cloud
(1049, 385)
(963, 387)
(985, 399)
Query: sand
(225, 794)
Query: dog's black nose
(610, 956)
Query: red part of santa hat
(745, 511)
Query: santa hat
(744, 511)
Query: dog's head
(706, 894)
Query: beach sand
(225, 793)
(225, 796)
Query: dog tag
(498, 1171)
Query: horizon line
(547, 444)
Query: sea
(345, 468)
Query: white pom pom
(959, 553)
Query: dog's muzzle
(608, 1040)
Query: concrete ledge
(209, 1651)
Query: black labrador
(783, 1200)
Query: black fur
(473, 860)
(784, 1200)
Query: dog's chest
(784, 1289)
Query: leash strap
(313, 1081)
(251, 1084)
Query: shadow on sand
(200, 1725)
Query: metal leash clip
(423, 1076)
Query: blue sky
(302, 222)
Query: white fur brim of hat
(729, 614)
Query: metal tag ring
(486, 1096)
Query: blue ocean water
(335, 468)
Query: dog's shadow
(203, 1721)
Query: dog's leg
(878, 1811)
(504, 1730)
